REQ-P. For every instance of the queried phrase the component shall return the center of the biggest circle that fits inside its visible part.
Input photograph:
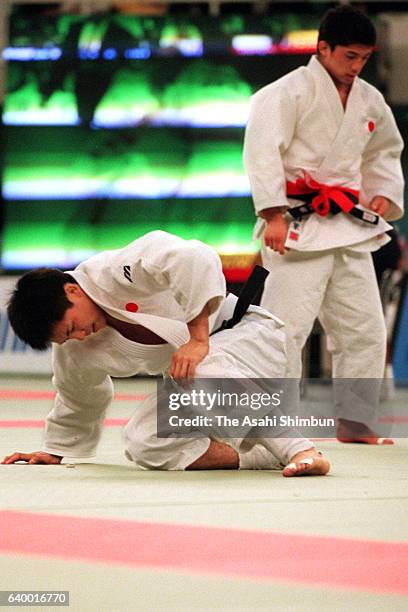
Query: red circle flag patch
(371, 126)
(132, 307)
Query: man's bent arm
(188, 356)
(74, 425)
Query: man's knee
(369, 335)
(148, 452)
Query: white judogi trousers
(255, 349)
(339, 287)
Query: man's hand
(187, 357)
(32, 458)
(380, 205)
(276, 229)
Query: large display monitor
(120, 124)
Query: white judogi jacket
(169, 281)
(298, 125)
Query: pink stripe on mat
(314, 560)
(17, 394)
(40, 424)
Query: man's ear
(72, 290)
(323, 48)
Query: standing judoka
(322, 152)
(149, 308)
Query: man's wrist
(199, 328)
(270, 214)
(203, 341)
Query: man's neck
(344, 91)
(342, 88)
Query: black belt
(248, 293)
(306, 209)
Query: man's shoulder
(292, 83)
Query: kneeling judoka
(149, 308)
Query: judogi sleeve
(189, 269)
(381, 166)
(74, 425)
(269, 132)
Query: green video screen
(117, 125)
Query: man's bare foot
(353, 431)
(307, 463)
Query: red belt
(325, 199)
(322, 198)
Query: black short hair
(37, 304)
(346, 25)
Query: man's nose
(357, 66)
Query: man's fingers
(378, 208)
(380, 205)
(174, 367)
(31, 458)
(179, 368)
(276, 245)
(191, 369)
(279, 247)
(183, 368)
(15, 457)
